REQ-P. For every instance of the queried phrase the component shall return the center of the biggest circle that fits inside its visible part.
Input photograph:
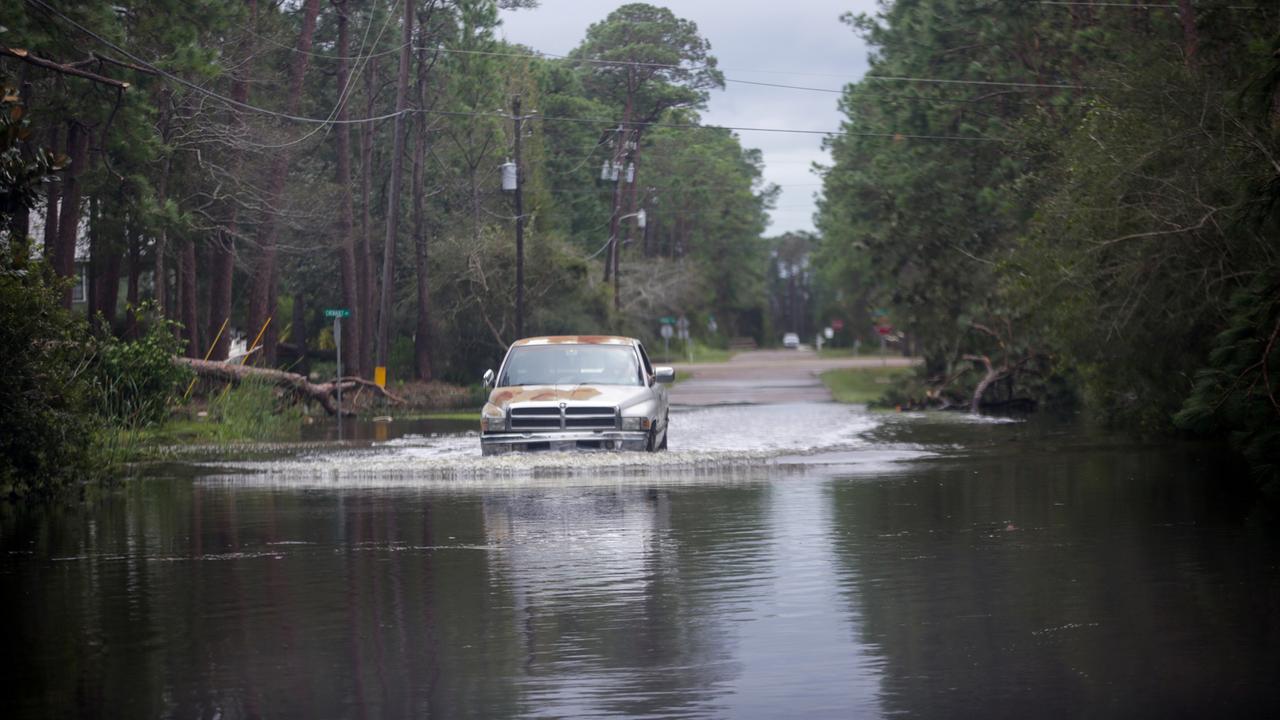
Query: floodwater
(810, 560)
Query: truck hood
(622, 396)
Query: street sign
(337, 313)
(837, 324)
(884, 329)
(667, 332)
(828, 333)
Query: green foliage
(1238, 393)
(135, 381)
(679, 72)
(862, 385)
(47, 428)
(253, 411)
(1095, 211)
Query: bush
(134, 380)
(251, 411)
(47, 429)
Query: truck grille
(594, 418)
(569, 418)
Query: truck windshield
(571, 365)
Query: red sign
(884, 329)
(837, 324)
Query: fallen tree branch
(352, 382)
(993, 374)
(64, 69)
(299, 385)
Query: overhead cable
(410, 111)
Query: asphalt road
(765, 377)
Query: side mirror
(664, 375)
(488, 378)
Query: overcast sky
(800, 42)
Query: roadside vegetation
(866, 386)
(1094, 226)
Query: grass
(701, 354)
(861, 385)
(468, 415)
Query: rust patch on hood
(576, 340)
(546, 393)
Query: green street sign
(668, 320)
(337, 313)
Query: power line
(633, 63)
(595, 121)
(347, 89)
(1141, 5)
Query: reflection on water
(1007, 569)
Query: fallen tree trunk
(993, 374)
(299, 385)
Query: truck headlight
(492, 419)
(636, 423)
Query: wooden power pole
(515, 116)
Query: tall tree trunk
(20, 221)
(93, 299)
(262, 292)
(365, 316)
(422, 334)
(298, 333)
(1190, 33)
(160, 270)
(346, 213)
(135, 273)
(52, 200)
(393, 192)
(187, 299)
(64, 257)
(110, 292)
(223, 266)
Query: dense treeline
(254, 162)
(1095, 218)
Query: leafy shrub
(135, 380)
(1238, 393)
(47, 429)
(47, 435)
(252, 411)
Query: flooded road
(767, 377)
(795, 560)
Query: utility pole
(515, 116)
(620, 172)
(612, 174)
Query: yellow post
(254, 344)
(380, 376)
(248, 351)
(212, 345)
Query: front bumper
(505, 442)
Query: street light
(639, 215)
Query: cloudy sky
(801, 42)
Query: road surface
(765, 377)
